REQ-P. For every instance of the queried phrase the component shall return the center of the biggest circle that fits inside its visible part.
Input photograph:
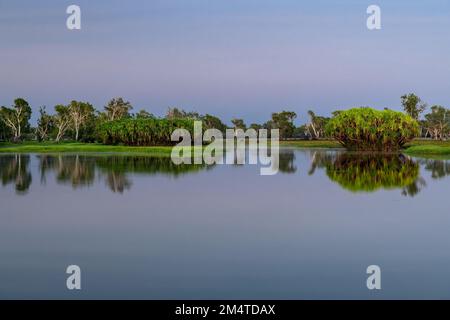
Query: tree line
(80, 121)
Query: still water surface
(142, 227)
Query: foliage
(437, 123)
(142, 132)
(117, 108)
(80, 113)
(45, 125)
(284, 121)
(5, 131)
(61, 120)
(212, 122)
(369, 129)
(16, 118)
(238, 124)
(256, 126)
(413, 105)
(144, 114)
(316, 126)
(176, 113)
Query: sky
(231, 58)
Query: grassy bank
(428, 148)
(51, 147)
(416, 147)
(311, 144)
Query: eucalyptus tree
(413, 105)
(16, 118)
(213, 122)
(284, 121)
(5, 132)
(117, 108)
(144, 114)
(178, 113)
(238, 123)
(79, 113)
(45, 124)
(437, 122)
(62, 120)
(256, 126)
(316, 125)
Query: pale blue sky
(232, 58)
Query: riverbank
(419, 147)
(416, 147)
(73, 147)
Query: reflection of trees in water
(118, 181)
(81, 170)
(117, 167)
(439, 168)
(78, 170)
(14, 169)
(287, 162)
(369, 172)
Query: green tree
(61, 120)
(117, 108)
(45, 124)
(178, 113)
(284, 121)
(413, 105)
(142, 132)
(212, 122)
(369, 129)
(238, 124)
(17, 118)
(79, 113)
(316, 125)
(5, 132)
(256, 126)
(437, 123)
(144, 114)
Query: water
(144, 228)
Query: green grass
(51, 147)
(311, 143)
(428, 148)
(416, 147)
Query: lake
(144, 228)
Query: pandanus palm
(142, 132)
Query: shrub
(141, 132)
(369, 129)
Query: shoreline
(414, 148)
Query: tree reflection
(439, 168)
(368, 172)
(81, 170)
(287, 162)
(77, 170)
(14, 169)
